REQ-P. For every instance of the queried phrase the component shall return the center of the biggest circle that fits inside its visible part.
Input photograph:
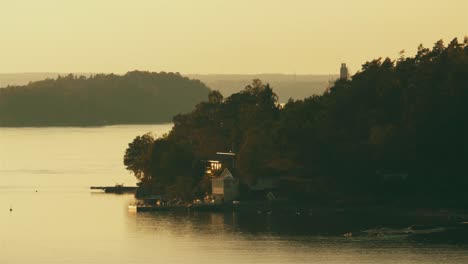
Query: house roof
(226, 174)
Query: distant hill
(136, 97)
(284, 85)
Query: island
(393, 134)
(101, 99)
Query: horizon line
(123, 73)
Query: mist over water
(45, 174)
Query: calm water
(63, 222)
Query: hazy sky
(216, 36)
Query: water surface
(45, 174)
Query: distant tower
(343, 72)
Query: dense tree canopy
(137, 156)
(396, 132)
(136, 97)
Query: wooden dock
(116, 189)
(194, 207)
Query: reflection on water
(45, 174)
(78, 226)
(325, 225)
(269, 239)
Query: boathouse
(224, 188)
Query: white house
(224, 188)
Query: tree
(215, 97)
(138, 156)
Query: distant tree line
(102, 99)
(397, 132)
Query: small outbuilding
(225, 188)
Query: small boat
(425, 229)
(381, 231)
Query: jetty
(118, 188)
(179, 207)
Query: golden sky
(217, 36)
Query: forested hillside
(102, 99)
(396, 132)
